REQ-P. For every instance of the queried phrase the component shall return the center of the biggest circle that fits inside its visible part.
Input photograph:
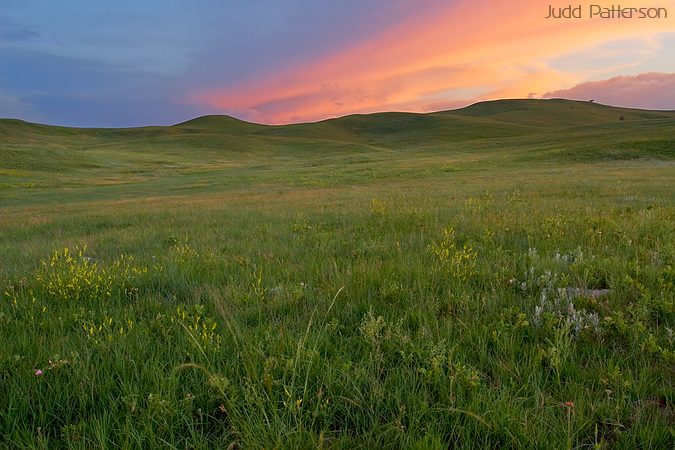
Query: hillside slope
(220, 152)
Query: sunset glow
(457, 55)
(277, 63)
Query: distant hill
(485, 119)
(555, 113)
(504, 130)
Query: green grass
(390, 280)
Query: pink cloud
(463, 50)
(651, 90)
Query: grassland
(380, 281)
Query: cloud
(611, 57)
(20, 35)
(651, 90)
(432, 58)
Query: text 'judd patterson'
(603, 12)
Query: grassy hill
(498, 276)
(390, 145)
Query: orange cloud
(647, 90)
(462, 51)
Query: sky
(159, 62)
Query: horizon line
(421, 113)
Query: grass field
(500, 276)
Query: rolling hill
(223, 152)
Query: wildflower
(38, 373)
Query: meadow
(500, 276)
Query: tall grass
(385, 325)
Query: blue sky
(129, 62)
